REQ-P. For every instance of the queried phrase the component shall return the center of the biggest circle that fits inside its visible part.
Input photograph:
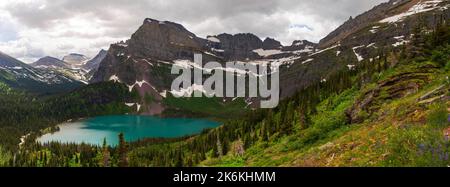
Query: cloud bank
(31, 29)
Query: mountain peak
(8, 61)
(94, 63)
(162, 39)
(75, 59)
(49, 61)
(48, 57)
(394, 11)
(75, 54)
(270, 43)
(25, 77)
(150, 21)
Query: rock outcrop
(299, 45)
(398, 86)
(239, 47)
(270, 43)
(94, 63)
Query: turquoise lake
(94, 130)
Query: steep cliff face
(367, 37)
(270, 43)
(144, 62)
(163, 40)
(393, 11)
(94, 63)
(299, 45)
(240, 46)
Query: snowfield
(360, 58)
(213, 39)
(323, 50)
(265, 53)
(306, 61)
(418, 8)
(400, 41)
(189, 91)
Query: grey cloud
(8, 32)
(120, 18)
(188, 11)
(66, 47)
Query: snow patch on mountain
(265, 53)
(358, 56)
(138, 106)
(372, 45)
(114, 78)
(374, 29)
(351, 67)
(213, 39)
(163, 94)
(137, 83)
(217, 50)
(298, 43)
(141, 83)
(188, 91)
(422, 6)
(326, 49)
(307, 49)
(306, 61)
(400, 41)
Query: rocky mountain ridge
(76, 66)
(19, 75)
(143, 62)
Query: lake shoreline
(135, 127)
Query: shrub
(447, 67)
(418, 147)
(438, 115)
(441, 55)
(5, 157)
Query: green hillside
(395, 117)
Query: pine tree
(5, 157)
(441, 32)
(219, 147)
(179, 158)
(416, 49)
(238, 148)
(106, 154)
(123, 160)
(385, 62)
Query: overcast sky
(31, 29)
